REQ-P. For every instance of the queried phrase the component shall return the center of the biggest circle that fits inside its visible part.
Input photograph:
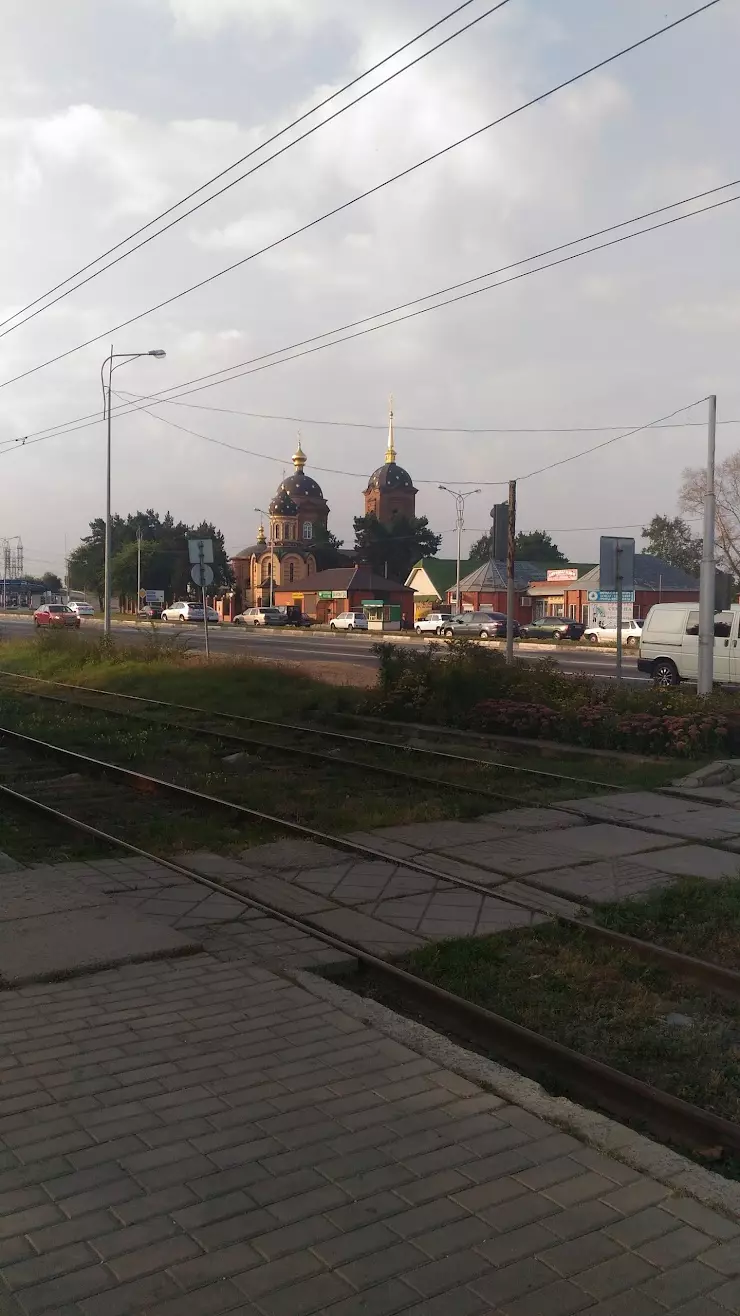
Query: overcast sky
(109, 113)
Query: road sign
(200, 550)
(616, 563)
(153, 595)
(561, 574)
(202, 575)
(142, 593)
(610, 596)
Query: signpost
(200, 553)
(617, 576)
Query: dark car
(553, 628)
(480, 625)
(151, 611)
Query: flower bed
(600, 726)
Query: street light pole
(459, 498)
(138, 569)
(122, 358)
(265, 517)
(707, 573)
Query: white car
(349, 621)
(631, 632)
(431, 624)
(261, 617)
(184, 611)
(82, 609)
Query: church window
(277, 530)
(291, 571)
(266, 569)
(308, 530)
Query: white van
(669, 644)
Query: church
(288, 557)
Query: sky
(109, 114)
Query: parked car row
(486, 625)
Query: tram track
(620, 1094)
(709, 975)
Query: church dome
(390, 476)
(282, 504)
(297, 486)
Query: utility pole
(138, 569)
(459, 498)
(706, 577)
(619, 552)
(510, 564)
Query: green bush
(462, 684)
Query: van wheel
(631, 641)
(593, 639)
(332, 627)
(418, 630)
(665, 672)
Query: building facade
(296, 541)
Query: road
(323, 647)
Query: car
(349, 621)
(601, 634)
(553, 628)
(153, 612)
(669, 644)
(81, 608)
(55, 614)
(261, 617)
(185, 611)
(477, 625)
(432, 623)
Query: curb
(599, 1131)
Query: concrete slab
(28, 893)
(602, 882)
(537, 899)
(452, 913)
(8, 864)
(693, 861)
(519, 856)
(703, 823)
(292, 853)
(532, 819)
(77, 940)
(441, 835)
(627, 804)
(379, 938)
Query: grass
(333, 796)
(692, 915)
(605, 1003)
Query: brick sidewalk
(191, 1137)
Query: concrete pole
(706, 578)
(510, 564)
(619, 610)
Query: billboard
(560, 574)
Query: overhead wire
(255, 168)
(404, 173)
(213, 378)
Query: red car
(55, 614)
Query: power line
(260, 165)
(404, 173)
(356, 475)
(83, 422)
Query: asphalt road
(341, 648)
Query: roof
(492, 575)
(351, 578)
(650, 573)
(441, 571)
(390, 476)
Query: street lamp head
(159, 352)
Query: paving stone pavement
(191, 1137)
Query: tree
(164, 555)
(671, 538)
(51, 582)
(391, 550)
(531, 546)
(727, 519)
(326, 548)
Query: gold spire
(260, 533)
(390, 452)
(299, 456)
